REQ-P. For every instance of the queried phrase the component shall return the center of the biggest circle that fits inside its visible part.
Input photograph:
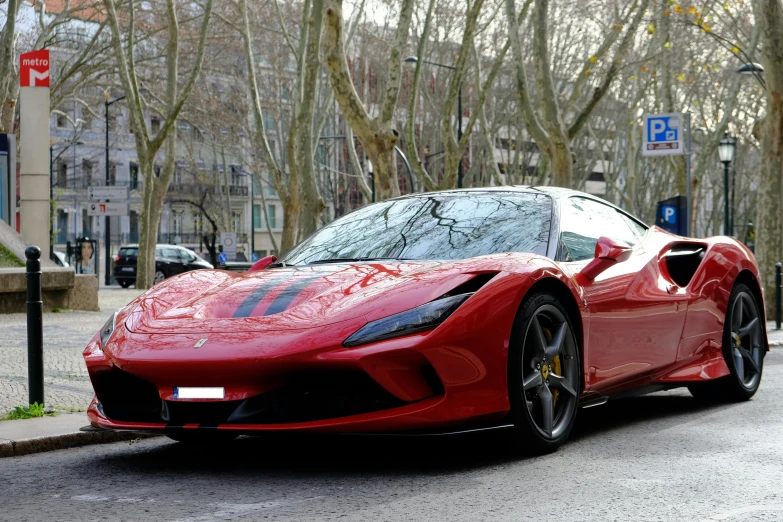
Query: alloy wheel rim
(745, 340)
(550, 373)
(159, 277)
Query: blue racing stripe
(285, 298)
(250, 303)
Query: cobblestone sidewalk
(66, 384)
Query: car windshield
(435, 226)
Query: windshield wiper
(355, 260)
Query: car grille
(304, 397)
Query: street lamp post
(726, 152)
(414, 59)
(108, 103)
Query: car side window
(186, 256)
(583, 221)
(170, 253)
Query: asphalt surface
(660, 457)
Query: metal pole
(688, 212)
(726, 198)
(778, 292)
(107, 237)
(407, 166)
(733, 185)
(51, 198)
(252, 220)
(459, 136)
(34, 326)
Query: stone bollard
(34, 326)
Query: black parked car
(169, 260)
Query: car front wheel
(544, 375)
(159, 276)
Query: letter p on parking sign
(663, 134)
(34, 69)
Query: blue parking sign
(669, 214)
(663, 134)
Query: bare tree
(548, 127)
(377, 135)
(147, 146)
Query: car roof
(554, 192)
(135, 245)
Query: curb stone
(11, 448)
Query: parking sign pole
(688, 173)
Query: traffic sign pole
(688, 173)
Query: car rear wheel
(743, 351)
(159, 276)
(201, 437)
(544, 375)
(124, 284)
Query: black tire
(201, 437)
(125, 283)
(543, 338)
(743, 351)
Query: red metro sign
(34, 69)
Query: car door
(635, 323)
(171, 261)
(186, 257)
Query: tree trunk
(769, 225)
(377, 135)
(312, 203)
(562, 163)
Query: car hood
(293, 298)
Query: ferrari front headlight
(108, 329)
(419, 319)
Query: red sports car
(437, 312)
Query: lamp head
(726, 148)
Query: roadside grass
(27, 412)
(8, 259)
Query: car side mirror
(608, 252)
(262, 263)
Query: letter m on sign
(34, 69)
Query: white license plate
(127, 269)
(199, 393)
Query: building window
(271, 215)
(87, 168)
(62, 121)
(134, 176)
(176, 224)
(256, 217)
(237, 223)
(154, 125)
(62, 174)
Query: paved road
(663, 457)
